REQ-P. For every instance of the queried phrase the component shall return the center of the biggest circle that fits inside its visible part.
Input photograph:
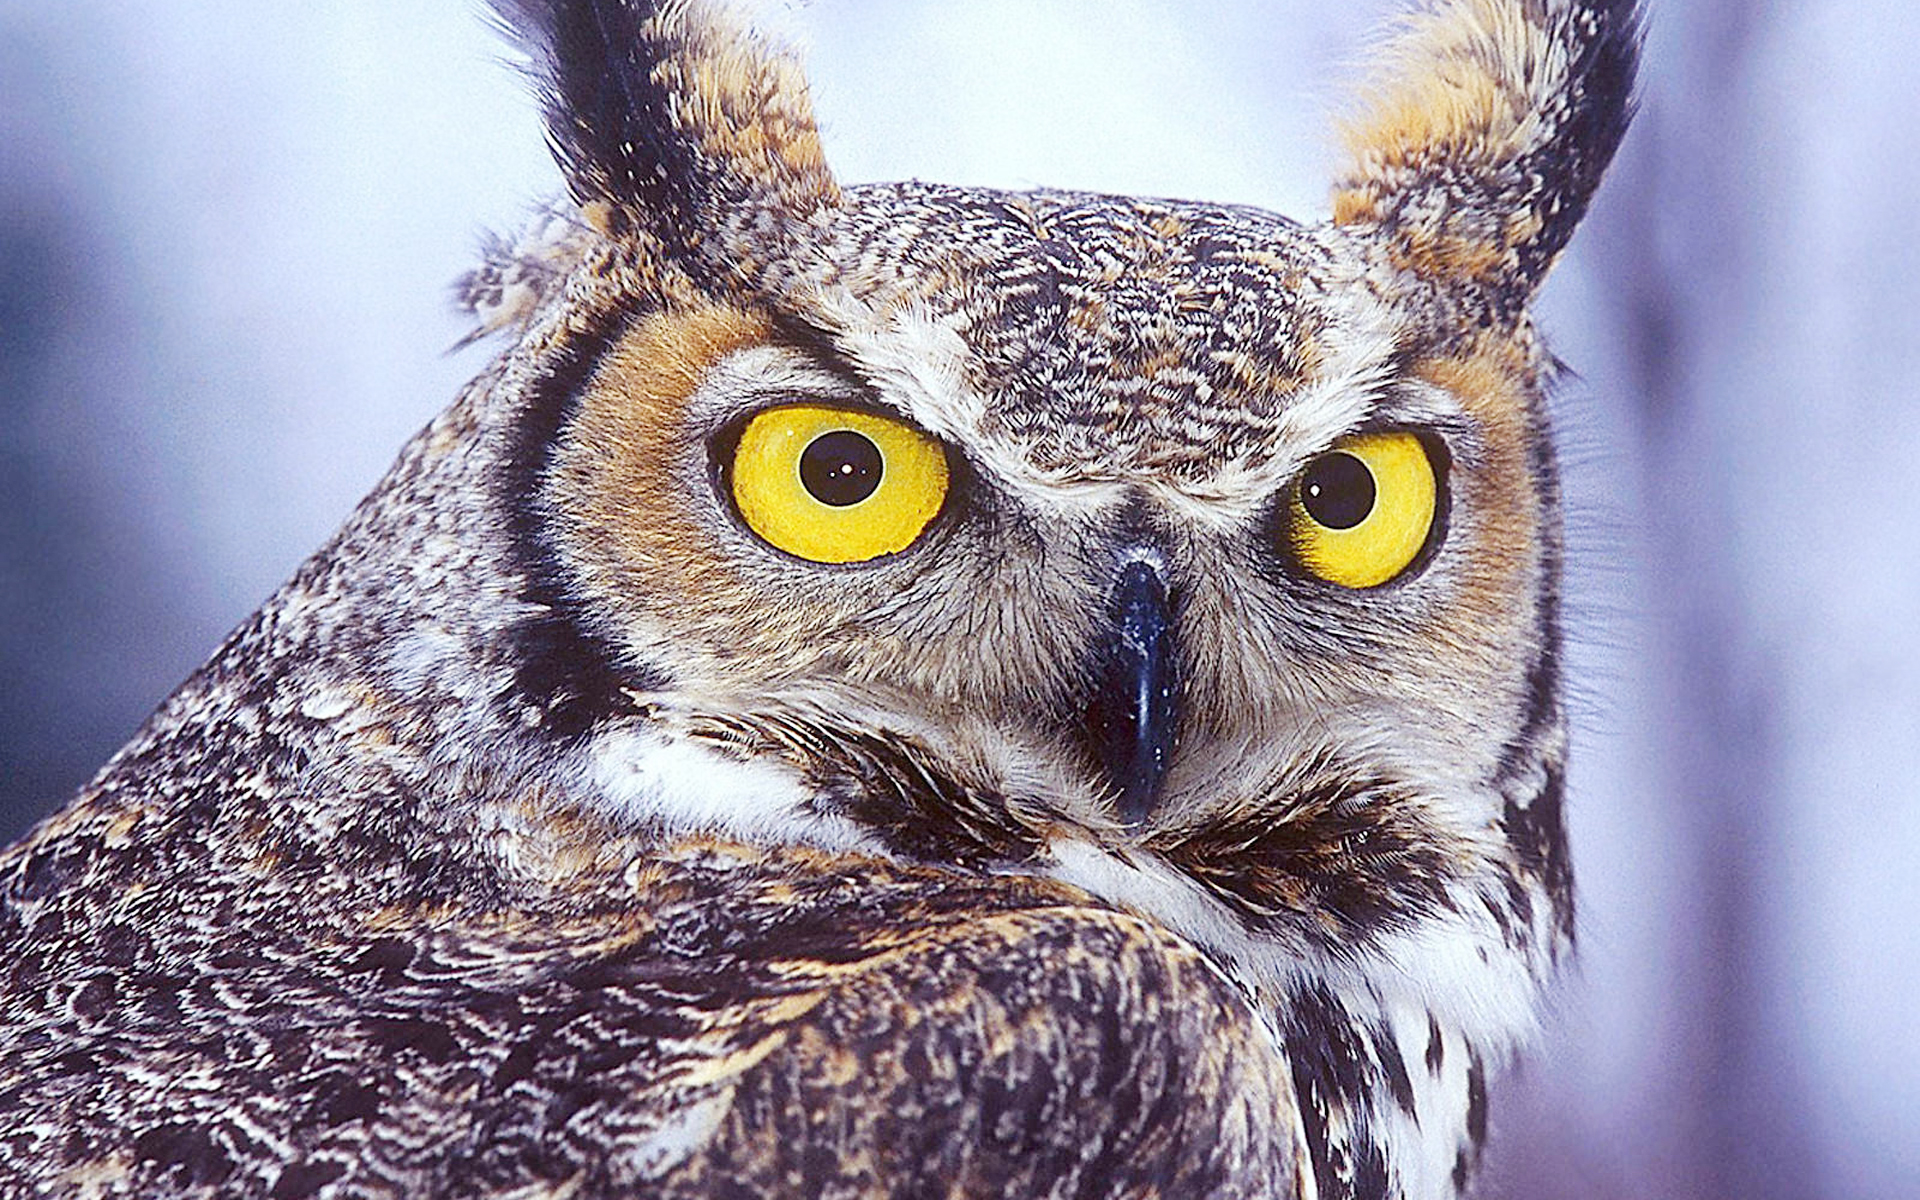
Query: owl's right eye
(1360, 514)
(836, 485)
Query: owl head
(1198, 557)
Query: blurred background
(226, 231)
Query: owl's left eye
(1361, 513)
(836, 485)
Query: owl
(896, 690)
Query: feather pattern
(553, 833)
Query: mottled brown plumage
(556, 831)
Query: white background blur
(226, 231)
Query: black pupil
(840, 468)
(1337, 491)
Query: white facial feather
(649, 776)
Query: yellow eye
(1360, 513)
(836, 485)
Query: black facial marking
(1536, 832)
(569, 673)
(894, 787)
(1339, 862)
(1540, 705)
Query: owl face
(1041, 400)
(1199, 557)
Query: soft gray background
(226, 228)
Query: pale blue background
(226, 228)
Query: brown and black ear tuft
(670, 118)
(1484, 134)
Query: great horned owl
(894, 690)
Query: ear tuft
(1484, 134)
(672, 117)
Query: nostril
(1133, 709)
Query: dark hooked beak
(1136, 702)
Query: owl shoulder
(631, 1014)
